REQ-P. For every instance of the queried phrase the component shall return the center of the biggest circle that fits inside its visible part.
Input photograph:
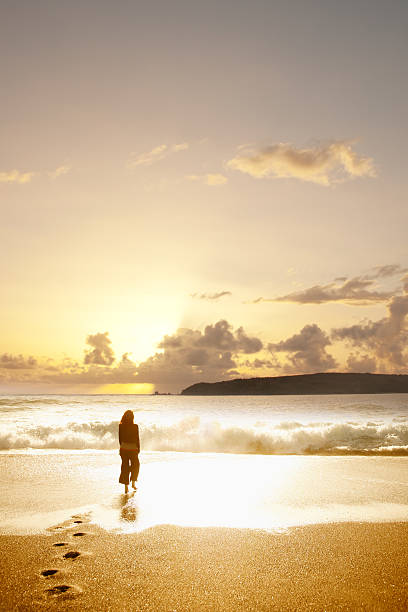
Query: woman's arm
(120, 436)
(137, 438)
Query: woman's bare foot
(126, 489)
(134, 484)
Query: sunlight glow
(240, 491)
(127, 389)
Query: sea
(256, 462)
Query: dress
(129, 452)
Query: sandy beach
(213, 531)
(345, 566)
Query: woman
(129, 450)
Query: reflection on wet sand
(129, 510)
(259, 492)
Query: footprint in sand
(61, 527)
(49, 572)
(72, 554)
(60, 544)
(79, 533)
(81, 518)
(63, 591)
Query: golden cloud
(60, 171)
(324, 164)
(210, 296)
(155, 155)
(15, 176)
(359, 290)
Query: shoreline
(113, 451)
(336, 566)
(201, 490)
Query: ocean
(265, 462)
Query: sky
(200, 191)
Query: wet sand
(345, 566)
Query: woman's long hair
(127, 418)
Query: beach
(234, 528)
(349, 566)
(204, 532)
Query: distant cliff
(305, 384)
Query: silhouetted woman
(129, 450)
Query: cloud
(155, 155)
(213, 180)
(387, 338)
(387, 270)
(184, 357)
(353, 291)
(306, 351)
(101, 352)
(72, 372)
(15, 176)
(361, 363)
(245, 344)
(358, 291)
(221, 337)
(17, 362)
(323, 164)
(191, 355)
(260, 364)
(60, 171)
(210, 296)
(179, 147)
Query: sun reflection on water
(257, 492)
(270, 492)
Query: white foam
(199, 435)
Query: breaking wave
(196, 435)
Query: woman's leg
(134, 468)
(125, 468)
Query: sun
(127, 389)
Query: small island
(335, 383)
